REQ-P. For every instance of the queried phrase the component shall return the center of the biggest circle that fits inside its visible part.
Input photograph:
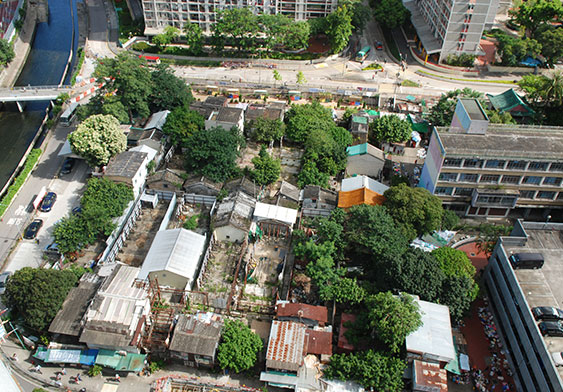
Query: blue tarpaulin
(531, 62)
(88, 357)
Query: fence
(169, 212)
(315, 212)
(199, 199)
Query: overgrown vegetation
(13, 189)
(461, 60)
(78, 66)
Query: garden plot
(193, 217)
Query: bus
(150, 59)
(68, 114)
(363, 53)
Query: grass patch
(467, 80)
(81, 55)
(195, 63)
(372, 66)
(390, 41)
(29, 164)
(409, 83)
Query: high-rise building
(482, 169)
(447, 27)
(161, 13)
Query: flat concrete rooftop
(506, 141)
(543, 287)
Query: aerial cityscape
(273, 195)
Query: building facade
(513, 292)
(482, 169)
(447, 27)
(161, 13)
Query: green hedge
(81, 55)
(30, 162)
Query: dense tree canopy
(303, 119)
(454, 262)
(416, 210)
(37, 294)
(266, 168)
(97, 139)
(532, 14)
(390, 129)
(340, 22)
(212, 153)
(513, 50)
(169, 91)
(7, 53)
(194, 37)
(373, 370)
(442, 113)
(239, 347)
(170, 34)
(182, 123)
(391, 13)
(265, 130)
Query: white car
(557, 358)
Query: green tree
(534, 86)
(71, 234)
(311, 175)
(266, 169)
(532, 14)
(182, 123)
(37, 294)
(7, 53)
(390, 129)
(194, 37)
(497, 118)
(513, 50)
(239, 25)
(391, 13)
(550, 39)
(343, 290)
(97, 139)
(302, 119)
(265, 130)
(128, 78)
(416, 210)
(489, 235)
(392, 318)
(458, 292)
(212, 153)
(371, 230)
(162, 40)
(442, 113)
(340, 22)
(373, 370)
(170, 92)
(277, 77)
(112, 197)
(301, 78)
(449, 220)
(360, 14)
(239, 347)
(454, 262)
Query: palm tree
(553, 93)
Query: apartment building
(514, 292)
(161, 13)
(482, 169)
(447, 27)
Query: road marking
(20, 210)
(321, 65)
(14, 221)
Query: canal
(45, 66)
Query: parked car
(557, 358)
(48, 202)
(68, 164)
(547, 313)
(3, 280)
(378, 46)
(33, 229)
(52, 248)
(551, 328)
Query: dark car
(547, 313)
(68, 164)
(33, 229)
(48, 201)
(551, 328)
(378, 46)
(77, 210)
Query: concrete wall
(167, 278)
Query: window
(527, 194)
(560, 196)
(495, 164)
(538, 166)
(466, 177)
(550, 195)
(553, 181)
(473, 163)
(490, 178)
(448, 177)
(531, 180)
(556, 166)
(516, 165)
(463, 191)
(453, 162)
(444, 190)
(510, 179)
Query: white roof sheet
(434, 337)
(9, 383)
(157, 120)
(151, 152)
(270, 211)
(358, 182)
(177, 251)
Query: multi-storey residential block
(161, 13)
(482, 169)
(447, 27)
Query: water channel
(45, 66)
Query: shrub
(29, 164)
(95, 370)
(462, 60)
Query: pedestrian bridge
(32, 93)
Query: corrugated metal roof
(434, 337)
(319, 342)
(270, 211)
(286, 345)
(311, 312)
(126, 164)
(358, 182)
(157, 120)
(177, 250)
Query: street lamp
(547, 221)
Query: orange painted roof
(359, 196)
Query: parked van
(527, 260)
